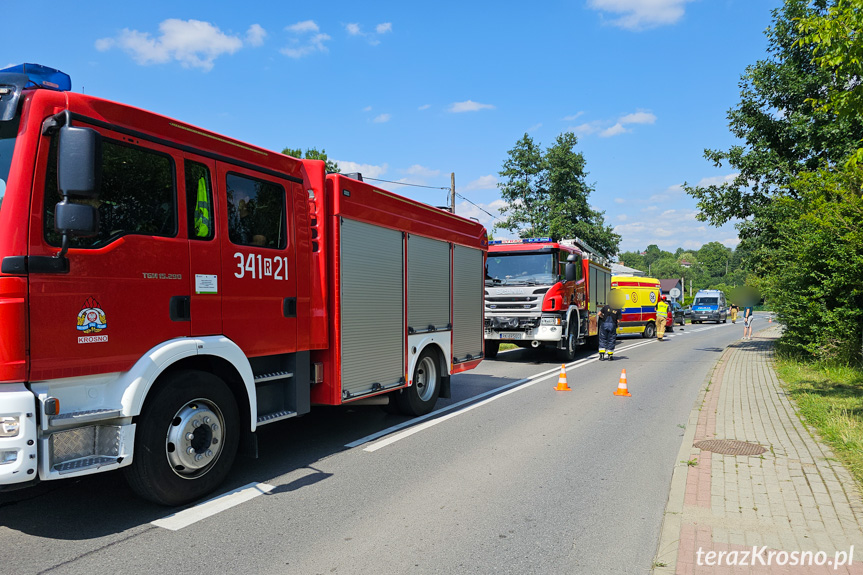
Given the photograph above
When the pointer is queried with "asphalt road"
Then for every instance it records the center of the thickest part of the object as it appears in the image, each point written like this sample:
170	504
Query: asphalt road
519	479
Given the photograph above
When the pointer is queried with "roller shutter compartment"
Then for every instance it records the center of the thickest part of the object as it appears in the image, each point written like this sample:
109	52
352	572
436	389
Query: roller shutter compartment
428	284
372	308
467	304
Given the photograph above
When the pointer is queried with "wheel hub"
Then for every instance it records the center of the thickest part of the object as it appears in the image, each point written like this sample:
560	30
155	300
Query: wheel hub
426	374
194	440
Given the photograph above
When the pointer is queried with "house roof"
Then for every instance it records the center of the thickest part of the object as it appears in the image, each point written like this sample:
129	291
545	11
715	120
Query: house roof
666	285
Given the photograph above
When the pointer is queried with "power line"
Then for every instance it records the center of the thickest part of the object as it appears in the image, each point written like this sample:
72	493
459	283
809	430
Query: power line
436	188
476	206
404	184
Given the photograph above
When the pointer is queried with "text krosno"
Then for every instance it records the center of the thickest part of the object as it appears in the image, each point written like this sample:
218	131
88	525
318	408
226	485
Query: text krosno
763	556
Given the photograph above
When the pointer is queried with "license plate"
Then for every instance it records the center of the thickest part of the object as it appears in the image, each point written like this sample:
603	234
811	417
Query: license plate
511	336
703	317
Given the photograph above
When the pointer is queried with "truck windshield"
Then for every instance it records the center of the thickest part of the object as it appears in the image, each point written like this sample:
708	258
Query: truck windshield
8	132
707	301
520	269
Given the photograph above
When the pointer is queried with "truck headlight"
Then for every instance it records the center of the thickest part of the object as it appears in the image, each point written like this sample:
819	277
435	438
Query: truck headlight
10	425
10	456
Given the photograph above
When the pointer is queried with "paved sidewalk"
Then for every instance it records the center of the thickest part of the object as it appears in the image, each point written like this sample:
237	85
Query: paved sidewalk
795	497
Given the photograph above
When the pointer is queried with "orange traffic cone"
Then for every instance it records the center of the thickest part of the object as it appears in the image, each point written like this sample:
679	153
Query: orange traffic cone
621	387
561	381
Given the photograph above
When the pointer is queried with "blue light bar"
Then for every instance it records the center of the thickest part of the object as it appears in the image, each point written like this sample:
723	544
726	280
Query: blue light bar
43	76
522	241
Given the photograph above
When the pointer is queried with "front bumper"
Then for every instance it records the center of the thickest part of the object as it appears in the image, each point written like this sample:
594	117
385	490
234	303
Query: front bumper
548	328
18	454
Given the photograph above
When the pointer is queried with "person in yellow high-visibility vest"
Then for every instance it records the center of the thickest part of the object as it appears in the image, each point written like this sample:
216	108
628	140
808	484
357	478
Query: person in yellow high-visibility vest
661	317
202	211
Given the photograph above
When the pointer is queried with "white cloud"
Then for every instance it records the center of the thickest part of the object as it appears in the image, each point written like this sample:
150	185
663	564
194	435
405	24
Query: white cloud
607	129
382	118
255	35
192	43
369	170
355	29
613	131
534	128
619	201
641	14
586	129
622	217
297	50
367	109
303	27
669	230
422	171
468	106
482	183
573	117
639	117
424	107
717	180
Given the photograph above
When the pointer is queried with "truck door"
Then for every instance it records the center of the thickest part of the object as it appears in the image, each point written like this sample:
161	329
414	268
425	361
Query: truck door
119	297
259	297
205	274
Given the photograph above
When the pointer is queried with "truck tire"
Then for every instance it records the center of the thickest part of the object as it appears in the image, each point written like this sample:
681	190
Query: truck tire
649	330
491	348
186	439
567	354
420	398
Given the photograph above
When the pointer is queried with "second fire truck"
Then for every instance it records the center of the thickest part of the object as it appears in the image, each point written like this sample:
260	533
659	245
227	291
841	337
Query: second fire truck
544	293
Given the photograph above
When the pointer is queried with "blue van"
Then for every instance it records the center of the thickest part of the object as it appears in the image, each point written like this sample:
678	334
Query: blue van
709	305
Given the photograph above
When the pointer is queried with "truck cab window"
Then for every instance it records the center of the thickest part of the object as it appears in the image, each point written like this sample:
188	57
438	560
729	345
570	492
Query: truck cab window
256	212
137	195
199	201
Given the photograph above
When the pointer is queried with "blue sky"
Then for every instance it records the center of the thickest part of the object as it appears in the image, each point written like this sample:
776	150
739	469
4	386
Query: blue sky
413	91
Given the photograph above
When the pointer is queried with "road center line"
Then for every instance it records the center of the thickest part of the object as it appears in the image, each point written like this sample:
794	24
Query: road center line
495	394
213	506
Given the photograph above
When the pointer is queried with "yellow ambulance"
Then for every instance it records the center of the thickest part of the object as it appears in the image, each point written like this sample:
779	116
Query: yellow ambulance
637	297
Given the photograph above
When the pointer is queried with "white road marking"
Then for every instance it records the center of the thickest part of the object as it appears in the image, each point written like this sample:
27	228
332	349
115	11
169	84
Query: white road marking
213	506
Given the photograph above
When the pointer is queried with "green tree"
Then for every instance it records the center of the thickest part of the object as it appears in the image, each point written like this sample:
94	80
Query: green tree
313	154
633	260
547	194
784	131
714	258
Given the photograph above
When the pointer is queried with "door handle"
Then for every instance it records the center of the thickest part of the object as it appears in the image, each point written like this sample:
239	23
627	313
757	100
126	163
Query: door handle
180	308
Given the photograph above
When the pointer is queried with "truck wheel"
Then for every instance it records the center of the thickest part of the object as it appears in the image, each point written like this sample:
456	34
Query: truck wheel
420	398
186	439
649	330
568	353
491	348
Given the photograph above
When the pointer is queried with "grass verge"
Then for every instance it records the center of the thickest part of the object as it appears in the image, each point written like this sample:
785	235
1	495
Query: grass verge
830	398
506	346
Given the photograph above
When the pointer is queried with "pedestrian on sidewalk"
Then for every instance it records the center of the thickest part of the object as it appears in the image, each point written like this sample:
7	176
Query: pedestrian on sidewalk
609	316
661	317
734	311
747	322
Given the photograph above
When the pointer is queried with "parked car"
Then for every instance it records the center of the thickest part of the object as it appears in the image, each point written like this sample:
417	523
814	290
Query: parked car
687	311
678	314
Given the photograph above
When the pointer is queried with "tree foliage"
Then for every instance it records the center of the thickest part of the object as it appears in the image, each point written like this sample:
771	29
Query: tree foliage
547	194
313	154
798	187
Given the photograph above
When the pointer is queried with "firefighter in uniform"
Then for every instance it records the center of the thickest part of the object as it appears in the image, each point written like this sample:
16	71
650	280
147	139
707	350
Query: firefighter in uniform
608	318
661	318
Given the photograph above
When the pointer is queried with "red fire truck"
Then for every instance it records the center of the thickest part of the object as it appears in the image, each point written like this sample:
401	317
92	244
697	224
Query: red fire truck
165	291
541	292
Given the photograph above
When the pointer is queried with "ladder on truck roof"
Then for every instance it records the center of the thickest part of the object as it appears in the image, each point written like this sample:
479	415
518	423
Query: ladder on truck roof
592	253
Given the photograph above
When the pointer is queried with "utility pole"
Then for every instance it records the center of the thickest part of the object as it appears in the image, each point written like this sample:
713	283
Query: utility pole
452	192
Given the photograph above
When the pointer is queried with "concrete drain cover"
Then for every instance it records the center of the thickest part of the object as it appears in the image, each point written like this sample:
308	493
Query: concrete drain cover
730	447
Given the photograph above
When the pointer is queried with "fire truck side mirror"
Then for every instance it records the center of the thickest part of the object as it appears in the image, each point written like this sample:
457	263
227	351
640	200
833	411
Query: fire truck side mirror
571	270
79	162
76	219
